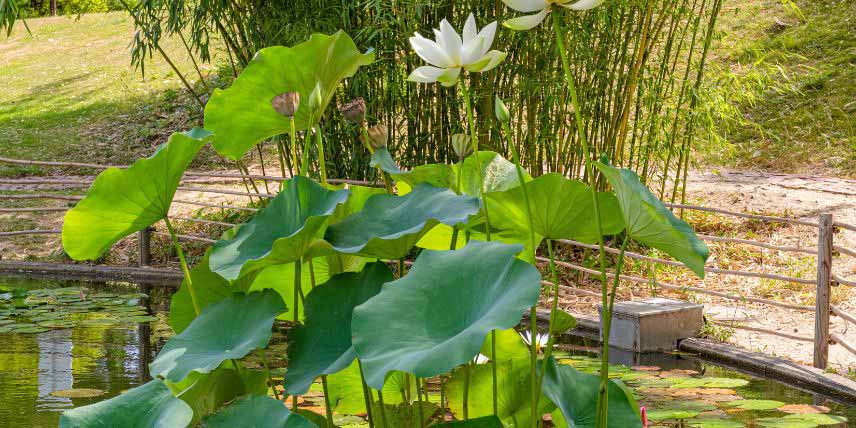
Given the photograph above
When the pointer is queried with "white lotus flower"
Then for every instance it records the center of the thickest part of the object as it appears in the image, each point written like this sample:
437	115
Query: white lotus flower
450	52
541	340
481	359
543	7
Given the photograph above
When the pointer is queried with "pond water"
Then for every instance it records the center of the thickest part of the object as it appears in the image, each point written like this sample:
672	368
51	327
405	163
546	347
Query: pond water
105	350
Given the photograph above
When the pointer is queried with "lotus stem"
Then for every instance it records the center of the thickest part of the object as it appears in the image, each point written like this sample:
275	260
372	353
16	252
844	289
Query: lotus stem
607	324
419	403
382	408
386	182
304	164
298	265
292	134
465	93
367	395
493	368
466	399
280	149
322	164
184	267
553	310
327	406
533	325
270	379
262	163
569	80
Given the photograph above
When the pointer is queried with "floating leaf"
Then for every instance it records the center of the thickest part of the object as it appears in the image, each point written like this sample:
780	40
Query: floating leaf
802	409
648	221
389	226
576	395
242	115
714	423
561	209
280	233
708	382
123	201
820	419
514	394
229	329
323	344
78	393
257	411
755	404
480	288
664	414
146	406
784	423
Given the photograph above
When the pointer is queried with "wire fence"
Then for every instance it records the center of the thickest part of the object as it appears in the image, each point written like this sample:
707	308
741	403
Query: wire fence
826	279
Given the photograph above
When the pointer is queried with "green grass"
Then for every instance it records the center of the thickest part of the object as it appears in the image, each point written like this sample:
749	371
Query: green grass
70	93
783	97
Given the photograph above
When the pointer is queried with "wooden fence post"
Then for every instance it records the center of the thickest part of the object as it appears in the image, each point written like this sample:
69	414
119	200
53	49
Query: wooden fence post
145	253
824	280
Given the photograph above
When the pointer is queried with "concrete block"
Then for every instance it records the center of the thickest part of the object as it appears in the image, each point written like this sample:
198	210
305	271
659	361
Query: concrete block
653	324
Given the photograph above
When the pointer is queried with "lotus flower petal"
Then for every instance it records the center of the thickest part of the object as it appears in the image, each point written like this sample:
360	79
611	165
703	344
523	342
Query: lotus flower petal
430	51
583	4
449	40
426	74
526	22
527	6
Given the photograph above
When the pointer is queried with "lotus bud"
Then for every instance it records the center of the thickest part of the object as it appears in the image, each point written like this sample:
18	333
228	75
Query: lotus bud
378	136
355	110
286	104
461	145
501	111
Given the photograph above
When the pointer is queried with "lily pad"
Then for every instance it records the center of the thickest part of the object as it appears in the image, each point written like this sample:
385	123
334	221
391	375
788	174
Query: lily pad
648	221
389	226
820	419
229	329
755	404
323	345
78	393
124	201
280	233
146	406
257	411
714	423
664	414
480	288
243	115
784	423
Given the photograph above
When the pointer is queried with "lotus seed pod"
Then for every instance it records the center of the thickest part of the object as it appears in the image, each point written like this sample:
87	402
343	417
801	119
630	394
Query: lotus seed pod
378	136
286	104
461	145
354	110
501	111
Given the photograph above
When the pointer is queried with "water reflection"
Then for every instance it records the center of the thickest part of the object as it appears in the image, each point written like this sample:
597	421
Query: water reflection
112	358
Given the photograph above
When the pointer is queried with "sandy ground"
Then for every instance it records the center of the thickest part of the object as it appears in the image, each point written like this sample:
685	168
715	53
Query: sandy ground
774	194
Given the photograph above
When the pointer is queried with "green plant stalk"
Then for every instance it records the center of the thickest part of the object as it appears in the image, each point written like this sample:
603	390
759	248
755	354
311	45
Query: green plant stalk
382	407
466	398
533	325
569	80
465	93
184	267
292	134
304	164
607	323
297	274
270	379
280	149
553	310
319	140
419	402
328	409
262	164
367	395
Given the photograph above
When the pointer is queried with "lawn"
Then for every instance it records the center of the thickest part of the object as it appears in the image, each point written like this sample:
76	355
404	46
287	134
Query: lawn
784	87
70	93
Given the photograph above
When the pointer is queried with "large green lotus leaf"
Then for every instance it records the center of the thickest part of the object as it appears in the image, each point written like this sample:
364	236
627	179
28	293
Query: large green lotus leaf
323	344
480	288
383	159
509	345
389	226
280	278
207	393
280	233
356	201
576	393
561	209
229	329
257	411
484	422
123	201
242	115
208	287
648	221
514	396
151	405
435	174
346	390
499	174
440	237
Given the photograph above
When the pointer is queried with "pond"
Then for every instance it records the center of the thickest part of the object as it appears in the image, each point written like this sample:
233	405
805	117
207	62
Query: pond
93	351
